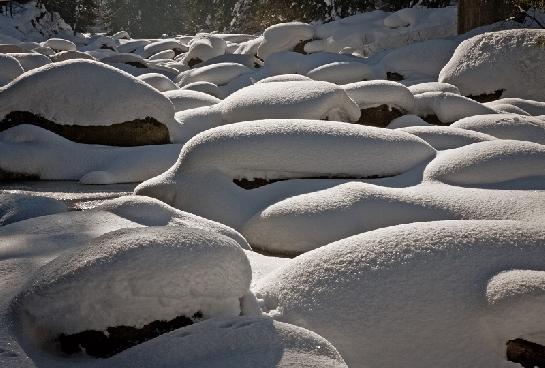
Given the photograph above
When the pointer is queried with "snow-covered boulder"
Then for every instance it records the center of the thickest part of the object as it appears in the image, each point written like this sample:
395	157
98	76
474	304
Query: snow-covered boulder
218	74
506	61
205	87
158	81
506	126
69	55
121	35
448	107
377	99
251	61
442	138
31	60
17	207
419	88
381	296
285	100
488	163
204	47
163	55
272	150
250	342
28	151
10	68
163	45
342	72
185	99
284	37
132	46
88	102
60	44
125	58
125	281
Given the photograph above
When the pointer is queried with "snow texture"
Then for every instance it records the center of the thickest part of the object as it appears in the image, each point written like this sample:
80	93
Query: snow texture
103	285
443	138
401	288
506	60
10	68
90	93
284	37
17	207
185	99
158	81
376	93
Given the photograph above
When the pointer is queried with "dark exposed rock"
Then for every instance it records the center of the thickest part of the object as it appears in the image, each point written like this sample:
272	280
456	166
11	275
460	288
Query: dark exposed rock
13	176
488	97
147	131
260	182
104	344
300	47
393	76
194	62
137	64
379	116
526	353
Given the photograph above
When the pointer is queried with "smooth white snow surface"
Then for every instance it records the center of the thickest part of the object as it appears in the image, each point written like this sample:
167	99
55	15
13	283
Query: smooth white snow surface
90	93
376	93
381	296
10	68
506	126
448	107
158	81
17	207
184	99
443	138
284	37
507	60
103	285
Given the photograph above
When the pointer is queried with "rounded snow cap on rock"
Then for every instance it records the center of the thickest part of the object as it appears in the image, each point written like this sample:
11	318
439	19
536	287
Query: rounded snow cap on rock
442	138
302	148
158	81
132	277
404	287
486	163
284	37
85	93
510	61
186	99
10	68
375	93
59	44
290	100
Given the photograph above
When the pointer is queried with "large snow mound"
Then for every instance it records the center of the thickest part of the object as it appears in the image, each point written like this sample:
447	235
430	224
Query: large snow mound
506	126
33	151
284	37
241	342
490	162
83	92
133	277
508	61
381	296
289	100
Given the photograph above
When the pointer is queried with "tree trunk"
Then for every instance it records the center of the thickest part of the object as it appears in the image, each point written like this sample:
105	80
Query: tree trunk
476	13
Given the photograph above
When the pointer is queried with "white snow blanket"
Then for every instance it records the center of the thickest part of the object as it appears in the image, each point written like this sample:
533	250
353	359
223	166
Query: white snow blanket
424	284
508	61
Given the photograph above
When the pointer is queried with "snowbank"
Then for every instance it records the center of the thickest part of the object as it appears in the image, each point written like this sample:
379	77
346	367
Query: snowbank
32	151
17	207
188	272
401	288
158	81
184	99
488	163
507	61
506	126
